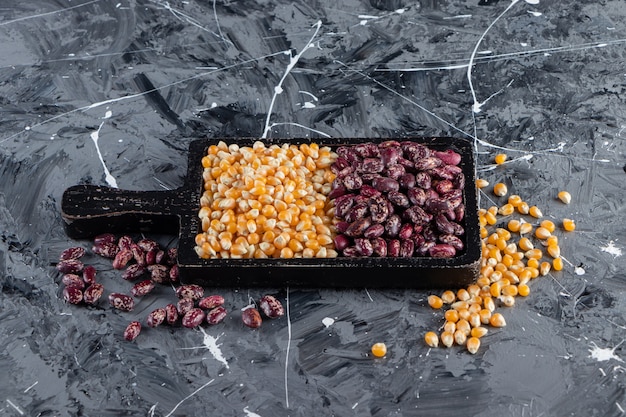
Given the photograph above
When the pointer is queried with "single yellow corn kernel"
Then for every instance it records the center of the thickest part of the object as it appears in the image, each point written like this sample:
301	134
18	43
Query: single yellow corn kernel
474	320
449	327
552	240
431	339
473	290
549	225
459	305
485	315
525	228
493	210
565	197
495	289
435	301
490	218
513	225
463	294
523	290
500	158
448	297
506	209
557	264
503	233
534	272
489	304
447	339
510	290
523	207
535	212
464	326
515	200
554	251
379	350
479	331
497	320
544	268
533	253
481	183
533	263
464	313
473	344
451	315
460	337
542	233
500	189
507	300
525	244
569	225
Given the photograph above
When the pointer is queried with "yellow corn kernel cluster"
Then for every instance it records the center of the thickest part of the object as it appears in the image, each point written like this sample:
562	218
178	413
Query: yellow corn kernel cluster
266	202
510	260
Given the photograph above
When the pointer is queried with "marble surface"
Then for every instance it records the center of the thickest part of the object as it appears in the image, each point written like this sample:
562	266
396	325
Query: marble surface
112	93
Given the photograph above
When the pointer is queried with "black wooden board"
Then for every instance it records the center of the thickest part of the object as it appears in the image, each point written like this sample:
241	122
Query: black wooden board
90	210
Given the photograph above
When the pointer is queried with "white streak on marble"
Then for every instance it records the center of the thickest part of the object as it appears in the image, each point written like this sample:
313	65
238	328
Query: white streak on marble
532	1
108	177
328	321
250	413
188	397
612	249
288	347
309	94
477	105
301	126
15	407
536	14
31	386
20	19
278	89
210	343
604	354
368	295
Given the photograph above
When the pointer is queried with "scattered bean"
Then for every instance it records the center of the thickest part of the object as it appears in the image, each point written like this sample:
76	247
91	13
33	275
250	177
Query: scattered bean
251	317
271	307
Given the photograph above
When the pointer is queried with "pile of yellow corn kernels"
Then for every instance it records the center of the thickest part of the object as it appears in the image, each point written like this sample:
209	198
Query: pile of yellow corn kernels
266	202
510	260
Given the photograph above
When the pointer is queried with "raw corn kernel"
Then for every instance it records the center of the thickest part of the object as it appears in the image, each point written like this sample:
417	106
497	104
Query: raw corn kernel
515	200
431	339
500	158
448	297
569	225
565	197
545	268
523	207
506	209
479	331
500	189
542	233
447	339
379	349
497	320
514	225
535	212
460	337
435	301
548	225
481	183
523	290
557	264
473	344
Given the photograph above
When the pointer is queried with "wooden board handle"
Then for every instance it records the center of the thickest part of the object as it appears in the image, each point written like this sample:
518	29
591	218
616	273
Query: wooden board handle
89	210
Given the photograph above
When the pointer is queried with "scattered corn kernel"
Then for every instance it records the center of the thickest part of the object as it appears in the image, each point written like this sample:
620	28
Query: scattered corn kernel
514	225
481	183
535	212
500	189
523	207
448	297
497	320
460	337
525	228
569	225
379	349
431	339
554	251
447	339
542	233
544	268
557	264
435	301
565	197
548	225
506	209
479	331
515	200
523	290
473	344
500	158
451	315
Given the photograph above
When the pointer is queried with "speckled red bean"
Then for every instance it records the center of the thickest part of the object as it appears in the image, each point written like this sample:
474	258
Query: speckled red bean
132	330
406	231
210	302
73	280
393	248
156	317
427	163
105	238
417	215
372	165
358	211
171	314
122	258
121	301
374	230
385	184
89	274
448	157
125	242
151	256
70	266
379	246
158	273
147	244
442	250
72	294
142	288
184	305
174	273
161	258
105	249
352	181
193	318
251	317
72	253
379	209
358	227
341	242
407	247
216	315
93	293
193	291
453	241
363	246
133	272
271	307
417	196
138	254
